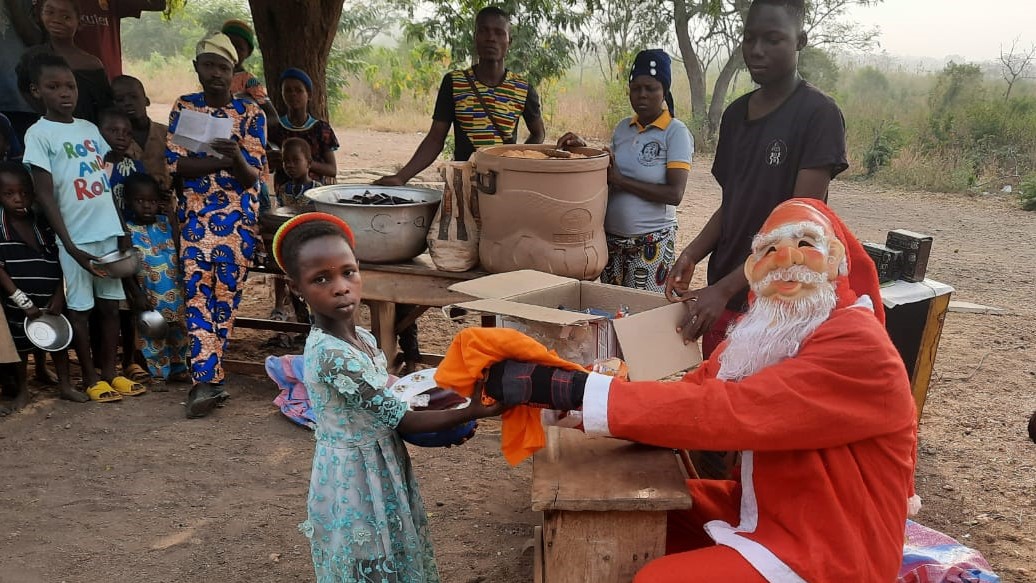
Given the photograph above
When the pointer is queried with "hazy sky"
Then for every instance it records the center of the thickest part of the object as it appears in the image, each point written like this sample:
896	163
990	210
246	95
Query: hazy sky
937	28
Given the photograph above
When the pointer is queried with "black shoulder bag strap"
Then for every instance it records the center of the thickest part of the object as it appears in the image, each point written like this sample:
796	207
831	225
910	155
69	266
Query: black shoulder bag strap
507	138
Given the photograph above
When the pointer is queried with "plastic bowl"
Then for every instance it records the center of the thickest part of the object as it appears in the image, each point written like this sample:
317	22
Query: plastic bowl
152	325
50	332
119	264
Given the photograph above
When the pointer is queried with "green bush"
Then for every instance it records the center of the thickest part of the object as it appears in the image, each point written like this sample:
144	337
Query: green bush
888	139
1027	193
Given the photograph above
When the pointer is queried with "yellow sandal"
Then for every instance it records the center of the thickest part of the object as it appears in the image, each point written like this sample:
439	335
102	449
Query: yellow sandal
127	387
102	392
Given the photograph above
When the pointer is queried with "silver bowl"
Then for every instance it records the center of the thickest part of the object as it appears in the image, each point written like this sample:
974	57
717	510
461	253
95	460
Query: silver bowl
152	325
50	332
384	234
118	264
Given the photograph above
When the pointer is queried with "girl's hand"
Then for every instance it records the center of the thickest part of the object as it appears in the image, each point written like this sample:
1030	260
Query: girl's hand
571	140
479	409
85	260
33	313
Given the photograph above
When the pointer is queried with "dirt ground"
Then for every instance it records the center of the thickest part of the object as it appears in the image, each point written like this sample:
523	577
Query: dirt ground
132	491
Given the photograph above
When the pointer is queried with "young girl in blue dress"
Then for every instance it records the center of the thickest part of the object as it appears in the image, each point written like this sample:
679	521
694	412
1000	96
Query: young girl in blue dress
366	520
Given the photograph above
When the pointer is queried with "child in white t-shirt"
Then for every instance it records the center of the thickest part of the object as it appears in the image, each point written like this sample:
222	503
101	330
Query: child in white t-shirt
67	160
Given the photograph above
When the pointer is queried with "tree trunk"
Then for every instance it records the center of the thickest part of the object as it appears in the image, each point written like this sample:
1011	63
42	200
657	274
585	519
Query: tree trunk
719	91
691	63
296	33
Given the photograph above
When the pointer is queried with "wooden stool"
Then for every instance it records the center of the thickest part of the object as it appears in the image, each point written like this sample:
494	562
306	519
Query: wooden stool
604	504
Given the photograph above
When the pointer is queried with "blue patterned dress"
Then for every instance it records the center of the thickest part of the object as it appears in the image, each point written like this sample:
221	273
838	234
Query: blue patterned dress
160	279
367	523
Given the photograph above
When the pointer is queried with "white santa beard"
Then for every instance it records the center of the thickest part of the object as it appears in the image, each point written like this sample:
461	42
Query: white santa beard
773	330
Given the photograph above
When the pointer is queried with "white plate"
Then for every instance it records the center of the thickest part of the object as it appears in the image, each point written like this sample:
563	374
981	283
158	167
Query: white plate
410	387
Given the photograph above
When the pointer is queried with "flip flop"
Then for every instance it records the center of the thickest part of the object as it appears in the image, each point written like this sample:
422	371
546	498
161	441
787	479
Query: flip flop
126	387
102	392
137	374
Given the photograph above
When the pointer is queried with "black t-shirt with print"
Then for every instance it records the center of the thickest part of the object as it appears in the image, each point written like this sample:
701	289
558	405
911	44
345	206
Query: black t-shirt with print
757	163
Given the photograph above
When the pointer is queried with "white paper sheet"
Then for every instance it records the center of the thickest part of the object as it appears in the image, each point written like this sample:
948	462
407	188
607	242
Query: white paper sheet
196	131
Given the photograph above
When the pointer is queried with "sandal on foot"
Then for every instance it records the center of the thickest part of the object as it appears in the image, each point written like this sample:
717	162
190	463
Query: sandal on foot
102	392
127	387
137	374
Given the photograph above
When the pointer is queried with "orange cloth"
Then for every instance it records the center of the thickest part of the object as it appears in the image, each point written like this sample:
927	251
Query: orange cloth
472	351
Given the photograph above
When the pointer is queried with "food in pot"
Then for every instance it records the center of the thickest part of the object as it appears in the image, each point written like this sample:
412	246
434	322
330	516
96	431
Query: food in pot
540	154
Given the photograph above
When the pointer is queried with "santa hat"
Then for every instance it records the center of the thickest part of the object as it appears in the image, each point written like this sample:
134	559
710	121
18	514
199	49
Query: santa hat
862	274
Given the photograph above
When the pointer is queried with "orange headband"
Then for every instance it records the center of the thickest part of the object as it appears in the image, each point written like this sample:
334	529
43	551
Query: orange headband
290	224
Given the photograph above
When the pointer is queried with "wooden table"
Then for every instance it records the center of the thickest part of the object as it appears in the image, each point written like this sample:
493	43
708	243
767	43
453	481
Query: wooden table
416	282
604	504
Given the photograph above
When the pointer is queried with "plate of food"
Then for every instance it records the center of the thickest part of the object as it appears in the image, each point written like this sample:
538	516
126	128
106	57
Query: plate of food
419	391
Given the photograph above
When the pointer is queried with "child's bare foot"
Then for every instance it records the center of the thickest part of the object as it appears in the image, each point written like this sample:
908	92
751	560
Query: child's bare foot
19	402
69	394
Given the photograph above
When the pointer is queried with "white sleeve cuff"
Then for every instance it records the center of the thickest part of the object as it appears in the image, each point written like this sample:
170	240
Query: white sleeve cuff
595	404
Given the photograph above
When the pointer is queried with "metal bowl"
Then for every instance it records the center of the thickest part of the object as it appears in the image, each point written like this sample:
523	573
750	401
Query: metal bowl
384	234
119	264
51	332
152	325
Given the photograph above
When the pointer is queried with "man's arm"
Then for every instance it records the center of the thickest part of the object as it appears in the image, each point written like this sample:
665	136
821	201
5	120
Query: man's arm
813	183
818	398
537	131
427	152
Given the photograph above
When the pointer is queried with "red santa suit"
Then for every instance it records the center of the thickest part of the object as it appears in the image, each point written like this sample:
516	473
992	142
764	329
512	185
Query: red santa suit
828	440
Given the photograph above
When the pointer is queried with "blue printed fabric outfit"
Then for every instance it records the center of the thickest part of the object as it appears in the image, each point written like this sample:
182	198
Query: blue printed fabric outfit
219	228
120	171
366	519
160	279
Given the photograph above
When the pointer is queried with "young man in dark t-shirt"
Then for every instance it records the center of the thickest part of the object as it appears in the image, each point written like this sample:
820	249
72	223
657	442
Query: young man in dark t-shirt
477	123
783	140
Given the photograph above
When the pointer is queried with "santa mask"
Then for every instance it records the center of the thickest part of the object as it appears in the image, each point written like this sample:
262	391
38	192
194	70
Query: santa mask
795	262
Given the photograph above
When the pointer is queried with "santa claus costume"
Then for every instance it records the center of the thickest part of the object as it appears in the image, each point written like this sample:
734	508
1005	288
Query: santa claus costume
809	388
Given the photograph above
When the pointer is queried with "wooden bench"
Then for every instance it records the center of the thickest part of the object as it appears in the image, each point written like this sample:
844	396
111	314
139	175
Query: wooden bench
604	504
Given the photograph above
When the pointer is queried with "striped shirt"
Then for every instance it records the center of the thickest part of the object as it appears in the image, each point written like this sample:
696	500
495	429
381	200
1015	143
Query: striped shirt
35	271
473	126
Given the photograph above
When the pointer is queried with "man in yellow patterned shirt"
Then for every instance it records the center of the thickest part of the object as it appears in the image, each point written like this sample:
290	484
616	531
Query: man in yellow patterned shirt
482	103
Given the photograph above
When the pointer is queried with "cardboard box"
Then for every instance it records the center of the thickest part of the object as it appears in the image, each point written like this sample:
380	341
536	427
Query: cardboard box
528	301
888	261
916	248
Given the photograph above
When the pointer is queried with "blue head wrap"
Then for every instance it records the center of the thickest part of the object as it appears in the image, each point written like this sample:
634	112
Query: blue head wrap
299	75
655	63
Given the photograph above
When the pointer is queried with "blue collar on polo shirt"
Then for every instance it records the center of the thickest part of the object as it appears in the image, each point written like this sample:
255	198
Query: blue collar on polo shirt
661	123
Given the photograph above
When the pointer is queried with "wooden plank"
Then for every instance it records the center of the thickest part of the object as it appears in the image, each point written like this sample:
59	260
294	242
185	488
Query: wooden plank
579	472
603	547
245	367
972	308
420	289
929	346
383	326
537	554
271	325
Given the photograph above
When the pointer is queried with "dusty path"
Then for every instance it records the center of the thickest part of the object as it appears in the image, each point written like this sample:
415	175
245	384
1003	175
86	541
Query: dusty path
132	492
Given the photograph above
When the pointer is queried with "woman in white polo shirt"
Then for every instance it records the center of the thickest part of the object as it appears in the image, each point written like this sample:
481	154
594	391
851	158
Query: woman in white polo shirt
651	157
